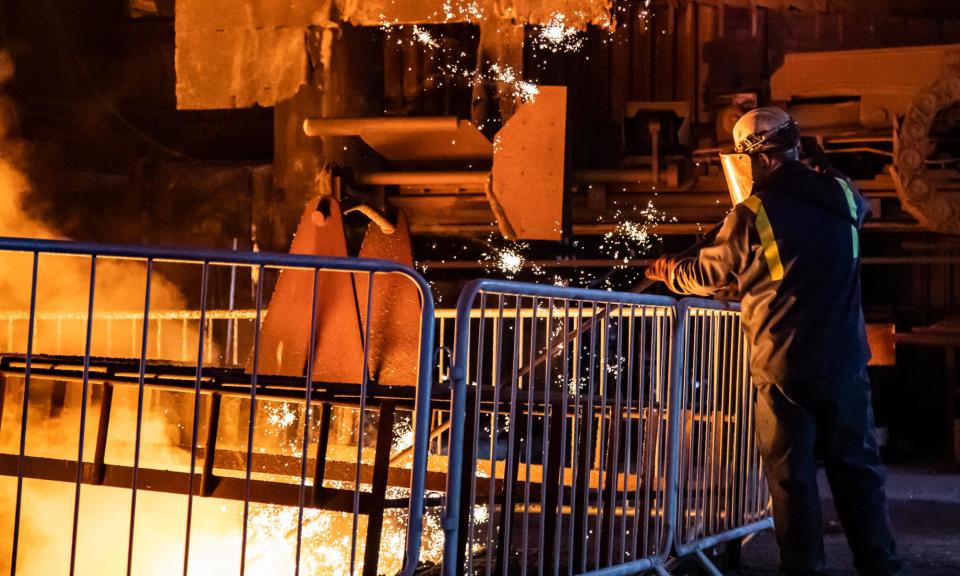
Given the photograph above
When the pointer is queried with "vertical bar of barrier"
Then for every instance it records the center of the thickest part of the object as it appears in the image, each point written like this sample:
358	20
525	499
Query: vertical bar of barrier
510	470
576	433
477	384
565	396
24	413
624	554
210	448
364	379
308	402
546	472
528	440
252	419
493	434
83	414
140	392
421	425
642	479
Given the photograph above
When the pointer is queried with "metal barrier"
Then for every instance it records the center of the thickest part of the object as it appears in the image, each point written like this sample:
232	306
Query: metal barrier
721	491
560	404
132	463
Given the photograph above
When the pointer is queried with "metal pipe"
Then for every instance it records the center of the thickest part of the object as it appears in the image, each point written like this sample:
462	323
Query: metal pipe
668	175
464	178
377	218
379	125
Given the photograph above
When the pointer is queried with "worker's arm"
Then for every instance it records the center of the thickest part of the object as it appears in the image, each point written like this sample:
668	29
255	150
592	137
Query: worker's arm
864	211
717	265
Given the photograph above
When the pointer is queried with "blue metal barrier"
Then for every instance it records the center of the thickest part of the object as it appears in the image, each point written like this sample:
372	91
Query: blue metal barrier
721	490
558	445
310	473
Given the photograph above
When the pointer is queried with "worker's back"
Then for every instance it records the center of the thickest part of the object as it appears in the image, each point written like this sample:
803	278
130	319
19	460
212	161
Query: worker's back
809	322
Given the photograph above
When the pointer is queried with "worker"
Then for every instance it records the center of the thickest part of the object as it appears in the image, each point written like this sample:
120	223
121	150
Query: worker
791	251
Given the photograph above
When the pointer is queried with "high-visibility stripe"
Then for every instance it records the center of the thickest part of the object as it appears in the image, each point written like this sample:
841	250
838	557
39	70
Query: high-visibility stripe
767	242
852	204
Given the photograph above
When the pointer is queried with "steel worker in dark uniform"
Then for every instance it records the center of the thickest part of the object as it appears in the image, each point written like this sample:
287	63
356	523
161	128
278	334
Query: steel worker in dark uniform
791	250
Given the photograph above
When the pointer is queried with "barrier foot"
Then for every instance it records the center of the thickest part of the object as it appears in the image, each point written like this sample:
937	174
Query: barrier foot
707	565
660	570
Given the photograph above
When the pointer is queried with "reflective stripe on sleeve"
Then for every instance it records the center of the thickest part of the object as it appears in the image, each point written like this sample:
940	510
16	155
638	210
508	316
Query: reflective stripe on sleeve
852	204
767	242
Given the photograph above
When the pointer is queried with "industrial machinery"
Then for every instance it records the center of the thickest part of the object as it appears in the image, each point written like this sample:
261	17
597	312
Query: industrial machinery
898	105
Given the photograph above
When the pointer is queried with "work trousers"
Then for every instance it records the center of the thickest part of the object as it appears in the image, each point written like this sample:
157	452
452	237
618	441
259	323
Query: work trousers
833	415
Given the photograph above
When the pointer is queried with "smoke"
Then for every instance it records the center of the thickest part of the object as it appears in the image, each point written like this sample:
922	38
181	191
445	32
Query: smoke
63	282
46	523
62	299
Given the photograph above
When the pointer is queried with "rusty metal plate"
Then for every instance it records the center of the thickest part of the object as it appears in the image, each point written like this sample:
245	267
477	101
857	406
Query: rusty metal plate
394	345
285	336
528	166
887	80
237	68
464	144
579	13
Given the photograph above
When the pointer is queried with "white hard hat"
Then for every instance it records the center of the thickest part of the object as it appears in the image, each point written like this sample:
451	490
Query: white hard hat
756	130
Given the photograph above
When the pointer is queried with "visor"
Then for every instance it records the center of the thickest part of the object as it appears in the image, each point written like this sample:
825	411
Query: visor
738	170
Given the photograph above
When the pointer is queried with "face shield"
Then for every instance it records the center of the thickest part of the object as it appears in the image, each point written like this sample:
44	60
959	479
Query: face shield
742	168
738	170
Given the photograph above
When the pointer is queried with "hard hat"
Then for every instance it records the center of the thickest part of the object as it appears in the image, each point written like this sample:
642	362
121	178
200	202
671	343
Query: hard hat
764	129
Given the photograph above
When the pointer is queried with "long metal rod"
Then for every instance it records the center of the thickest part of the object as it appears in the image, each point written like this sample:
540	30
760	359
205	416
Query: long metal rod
248	469
270	260
139	425
83	414
25	410
478	383
195	428
360	427
307	403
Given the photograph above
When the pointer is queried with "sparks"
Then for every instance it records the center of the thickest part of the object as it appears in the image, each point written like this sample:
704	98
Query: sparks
556	36
510	262
423	36
505	74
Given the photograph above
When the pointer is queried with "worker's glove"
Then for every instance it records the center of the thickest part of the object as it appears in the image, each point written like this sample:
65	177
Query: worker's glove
659	270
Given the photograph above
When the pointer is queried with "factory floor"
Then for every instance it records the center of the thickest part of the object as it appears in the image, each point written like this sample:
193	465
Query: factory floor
925	511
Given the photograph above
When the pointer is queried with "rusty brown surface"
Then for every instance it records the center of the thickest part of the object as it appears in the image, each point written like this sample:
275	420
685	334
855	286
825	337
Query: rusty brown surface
406	141
886	80
239	67
465	144
285	336
254	52
579	13
395	308
528	166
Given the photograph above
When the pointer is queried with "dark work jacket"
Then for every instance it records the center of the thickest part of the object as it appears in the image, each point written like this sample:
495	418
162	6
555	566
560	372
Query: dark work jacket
792	251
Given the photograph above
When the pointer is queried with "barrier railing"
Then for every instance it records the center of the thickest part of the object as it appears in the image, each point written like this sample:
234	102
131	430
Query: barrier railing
588	431
721	491
140	465
560	404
